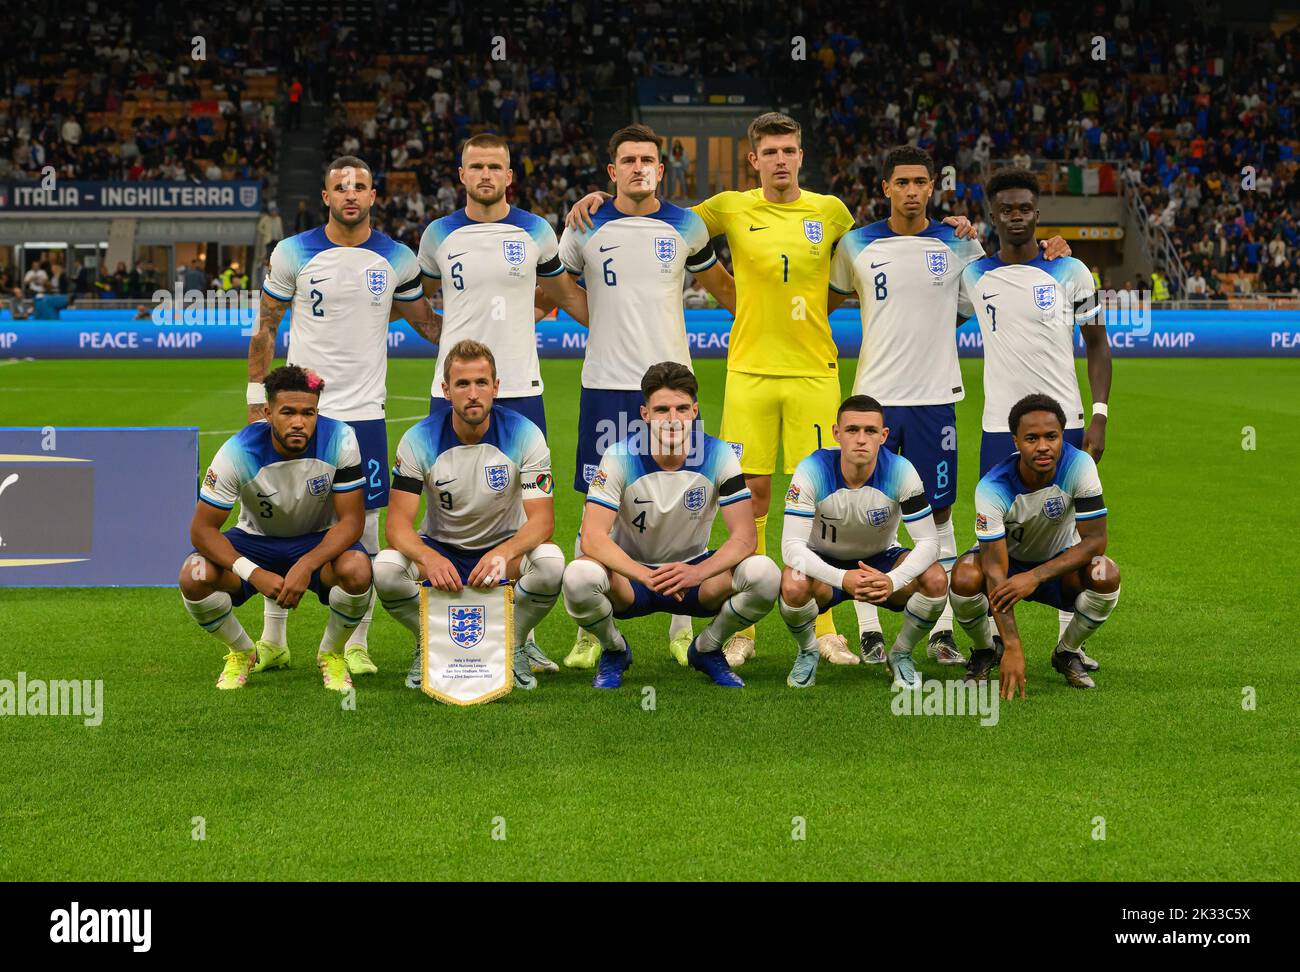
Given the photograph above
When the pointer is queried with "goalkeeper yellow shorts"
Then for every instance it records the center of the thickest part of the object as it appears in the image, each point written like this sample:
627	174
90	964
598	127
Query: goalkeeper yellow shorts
759	410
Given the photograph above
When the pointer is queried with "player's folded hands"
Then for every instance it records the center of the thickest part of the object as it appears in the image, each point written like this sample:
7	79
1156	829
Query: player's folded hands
489	571
267	582
295	583
878	587
671	580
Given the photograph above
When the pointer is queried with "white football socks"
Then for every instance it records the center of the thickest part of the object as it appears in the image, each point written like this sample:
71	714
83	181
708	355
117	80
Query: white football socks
586	598
919	615
1090	612
540	576
756	583
972	614
346	612
398	591
215	615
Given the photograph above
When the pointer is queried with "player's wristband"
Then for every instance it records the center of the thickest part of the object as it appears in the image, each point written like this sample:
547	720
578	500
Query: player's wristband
1100	408
244	568
256	394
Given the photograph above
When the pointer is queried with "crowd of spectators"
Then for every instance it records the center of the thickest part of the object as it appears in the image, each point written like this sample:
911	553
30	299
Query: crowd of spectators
99	92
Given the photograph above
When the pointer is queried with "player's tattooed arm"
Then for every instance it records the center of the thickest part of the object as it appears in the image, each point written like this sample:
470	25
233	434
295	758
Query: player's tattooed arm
721	284
1099	377
261	346
993	559
420	315
597	521
206	537
580	214
563	291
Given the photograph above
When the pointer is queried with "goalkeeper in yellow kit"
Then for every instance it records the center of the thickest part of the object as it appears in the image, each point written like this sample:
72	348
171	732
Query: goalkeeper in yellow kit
782	369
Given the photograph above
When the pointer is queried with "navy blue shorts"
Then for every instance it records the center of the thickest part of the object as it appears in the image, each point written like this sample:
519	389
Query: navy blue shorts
462	559
646	601
919	432
278	555
883	562
996	446
529	406
604	417
1049	593
372	438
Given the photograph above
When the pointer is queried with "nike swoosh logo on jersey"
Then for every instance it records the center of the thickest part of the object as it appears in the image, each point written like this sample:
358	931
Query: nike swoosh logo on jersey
266	495
321	280
987	296
825	517
452	256
635	500
877	265
753	228
370	497
439	483
606	249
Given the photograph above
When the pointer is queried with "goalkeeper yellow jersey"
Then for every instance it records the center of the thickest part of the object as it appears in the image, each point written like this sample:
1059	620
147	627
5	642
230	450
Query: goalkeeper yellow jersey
781	258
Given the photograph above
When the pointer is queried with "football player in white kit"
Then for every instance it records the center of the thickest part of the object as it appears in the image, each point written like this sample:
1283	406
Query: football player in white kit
645	535
633	259
1027	309
489	512
1041	524
298	479
841	517
488	259
907	270
343	281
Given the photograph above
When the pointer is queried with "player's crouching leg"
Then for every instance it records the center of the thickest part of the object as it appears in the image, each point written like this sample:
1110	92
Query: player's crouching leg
541	574
397	584
920	612
349	597
1094	604
213	610
799	611
586	598
755	587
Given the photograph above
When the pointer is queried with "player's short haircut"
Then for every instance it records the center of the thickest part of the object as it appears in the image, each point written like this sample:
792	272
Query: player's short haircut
907	155
630	133
485	140
1011	179
292	378
345	162
467	351
773	123
1036	402
671	375
859	403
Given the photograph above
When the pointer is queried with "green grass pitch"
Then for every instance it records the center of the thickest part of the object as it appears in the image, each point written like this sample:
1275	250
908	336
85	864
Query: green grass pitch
590	785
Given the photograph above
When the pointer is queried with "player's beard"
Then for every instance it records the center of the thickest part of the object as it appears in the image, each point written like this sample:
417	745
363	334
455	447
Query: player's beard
478	417
287	447
363	216
486	200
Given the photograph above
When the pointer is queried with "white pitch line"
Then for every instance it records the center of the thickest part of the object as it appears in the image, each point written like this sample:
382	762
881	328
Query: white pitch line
9	361
402	418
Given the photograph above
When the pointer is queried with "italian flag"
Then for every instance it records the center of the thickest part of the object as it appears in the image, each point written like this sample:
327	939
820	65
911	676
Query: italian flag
1091	180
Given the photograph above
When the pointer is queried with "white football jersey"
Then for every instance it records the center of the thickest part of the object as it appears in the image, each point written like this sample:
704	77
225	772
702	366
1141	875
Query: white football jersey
1027	313
1038	524
341	297
909	290
489	272
634	270
282	497
666	516
847	524
476	492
